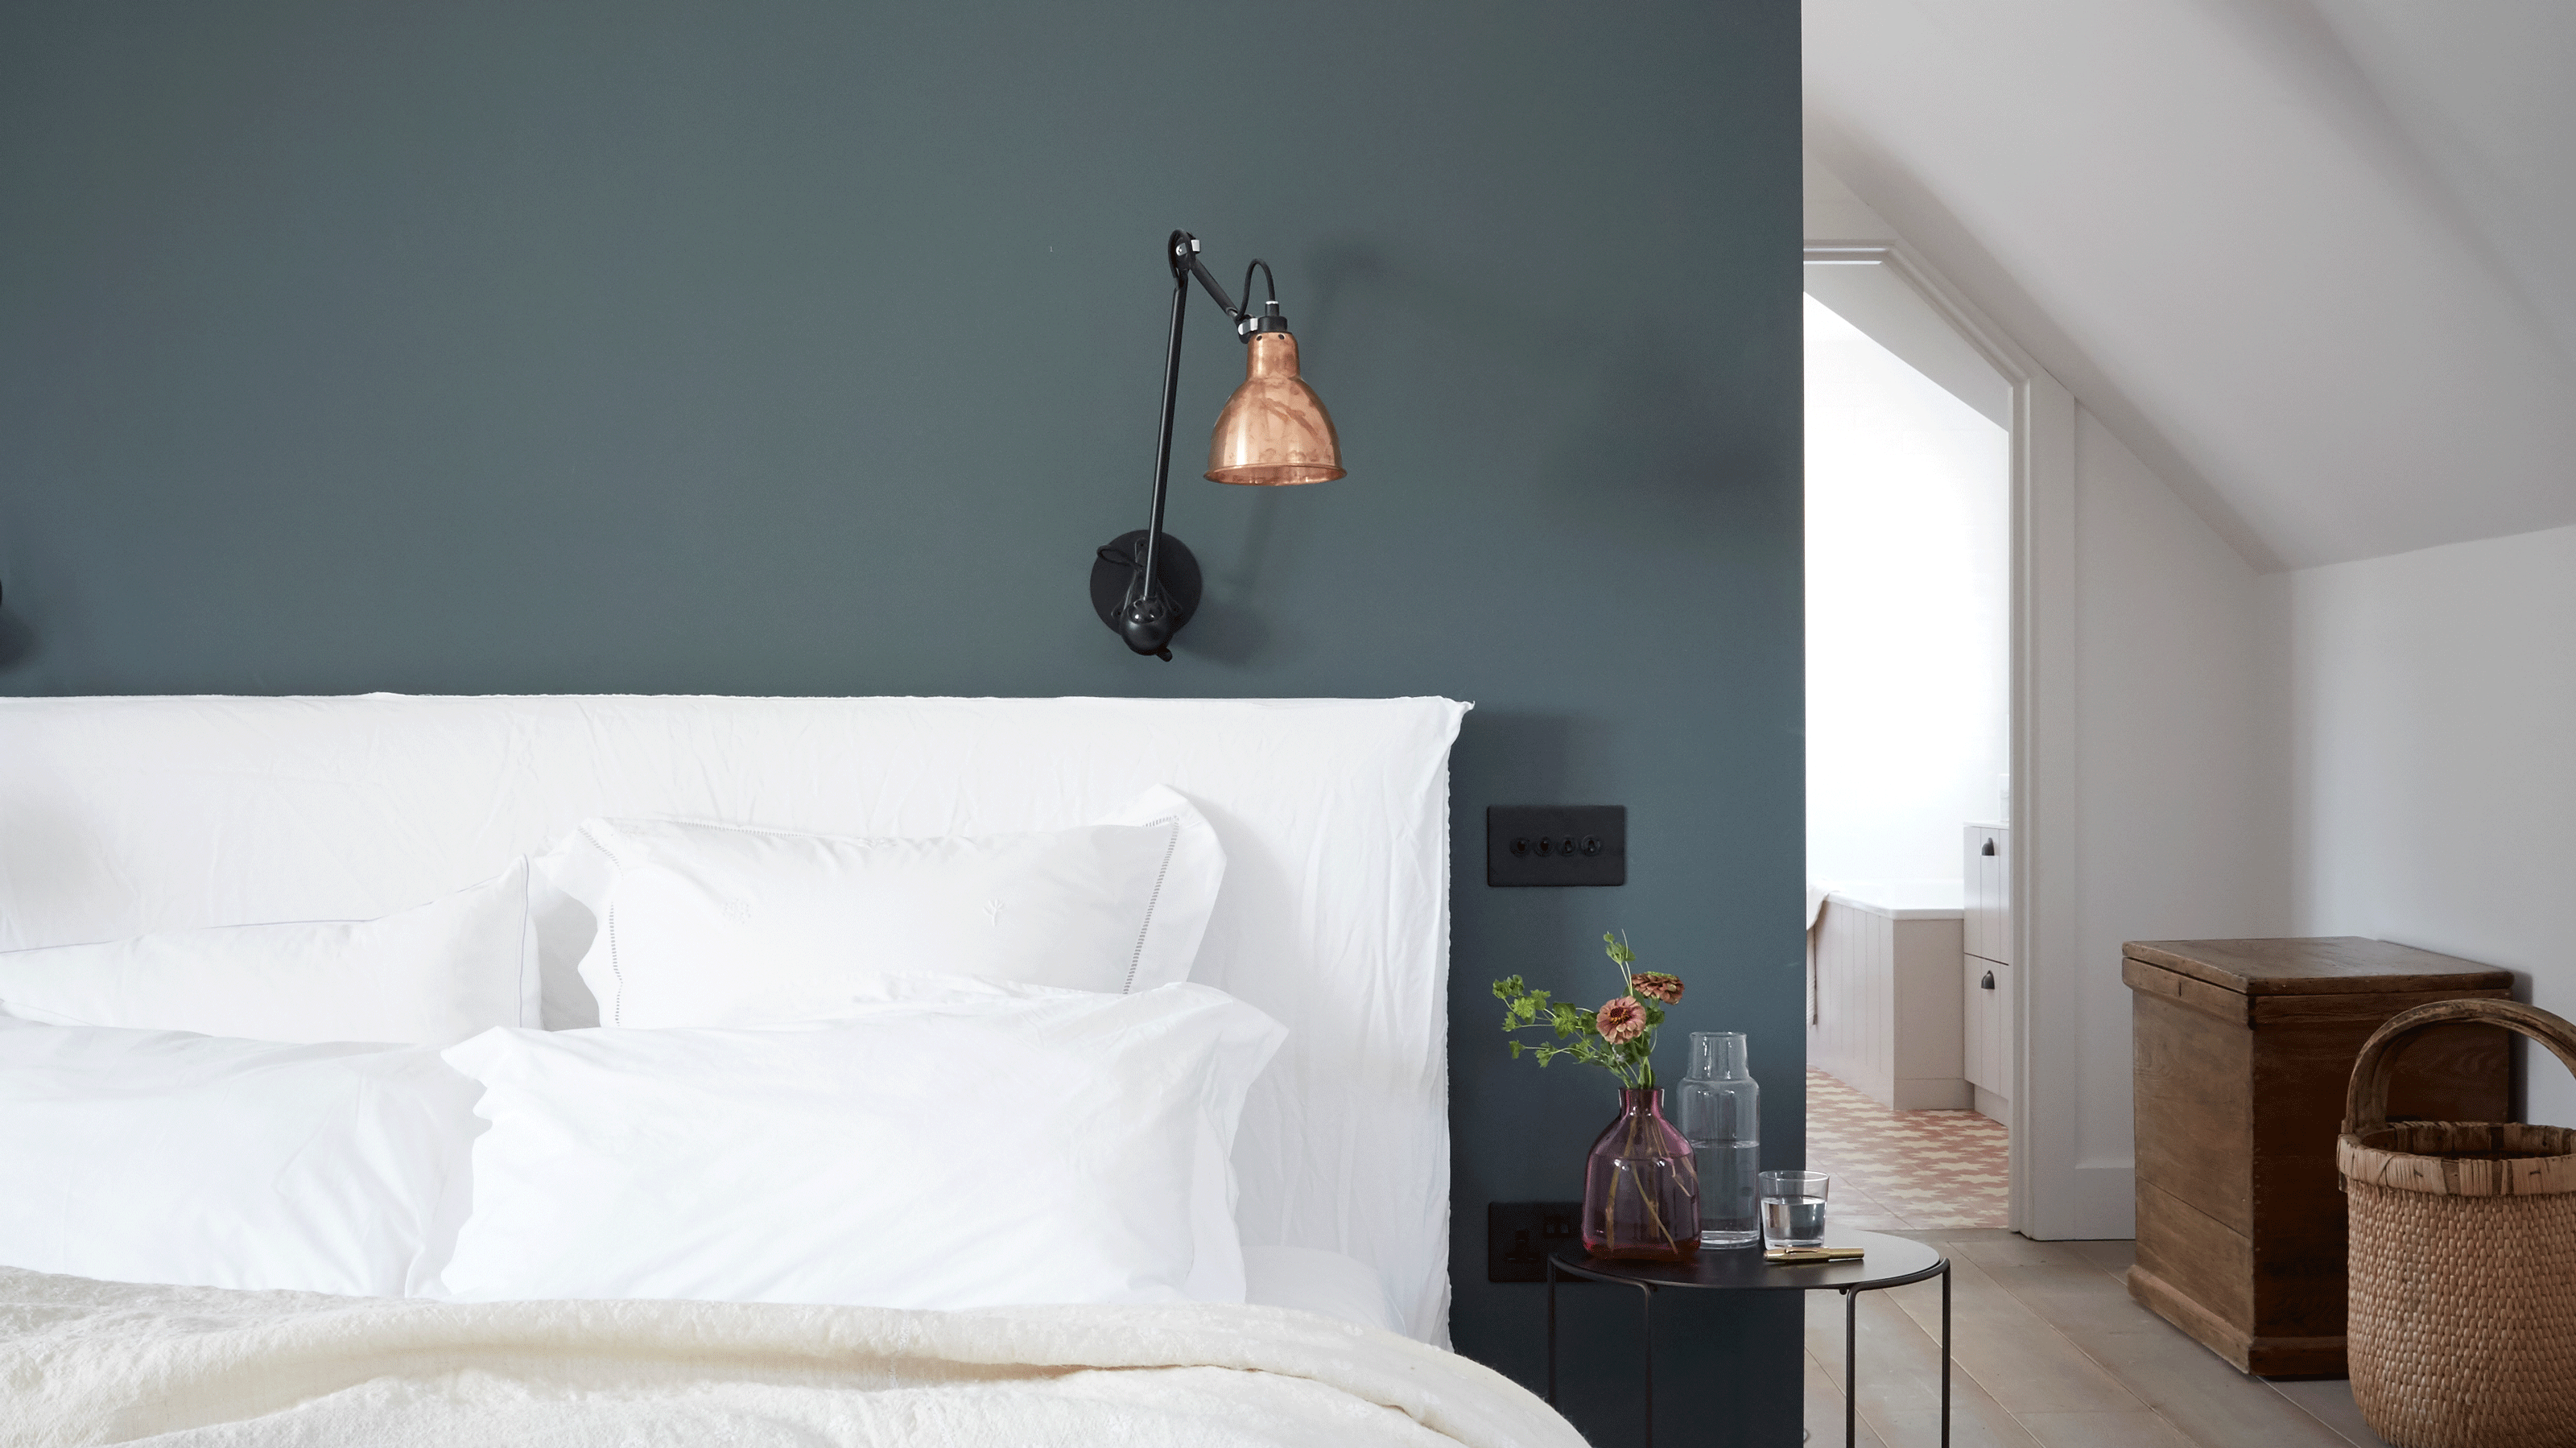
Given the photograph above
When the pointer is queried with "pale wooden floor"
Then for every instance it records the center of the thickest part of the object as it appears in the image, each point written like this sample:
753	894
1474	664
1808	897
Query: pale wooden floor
2051	1353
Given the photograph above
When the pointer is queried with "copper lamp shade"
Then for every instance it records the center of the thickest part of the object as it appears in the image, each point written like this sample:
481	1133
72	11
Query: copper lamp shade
1274	430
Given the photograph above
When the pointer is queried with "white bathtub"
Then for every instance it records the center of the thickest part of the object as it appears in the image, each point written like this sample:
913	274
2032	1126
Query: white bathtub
1888	1013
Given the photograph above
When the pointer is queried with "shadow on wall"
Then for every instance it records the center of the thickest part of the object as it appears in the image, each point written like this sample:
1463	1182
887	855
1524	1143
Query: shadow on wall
1507	757
1660	447
17	641
1531	750
1228	627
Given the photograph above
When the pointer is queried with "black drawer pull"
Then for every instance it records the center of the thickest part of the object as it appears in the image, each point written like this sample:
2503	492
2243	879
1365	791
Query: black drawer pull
1988	983
1989	849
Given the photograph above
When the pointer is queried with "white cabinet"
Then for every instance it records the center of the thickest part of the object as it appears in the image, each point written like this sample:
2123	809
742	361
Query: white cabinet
1985	991
1977	1033
1985	880
1986	965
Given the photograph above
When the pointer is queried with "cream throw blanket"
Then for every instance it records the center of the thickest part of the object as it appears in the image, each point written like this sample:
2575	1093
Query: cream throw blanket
103	1362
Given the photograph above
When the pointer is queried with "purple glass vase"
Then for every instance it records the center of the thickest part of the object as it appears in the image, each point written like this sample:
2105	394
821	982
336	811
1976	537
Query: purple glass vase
1640	1186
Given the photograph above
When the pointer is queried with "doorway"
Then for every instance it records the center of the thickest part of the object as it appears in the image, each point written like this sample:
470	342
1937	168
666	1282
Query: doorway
1911	1026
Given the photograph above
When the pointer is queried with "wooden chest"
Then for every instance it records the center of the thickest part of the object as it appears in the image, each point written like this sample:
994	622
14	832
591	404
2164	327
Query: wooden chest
2243	1050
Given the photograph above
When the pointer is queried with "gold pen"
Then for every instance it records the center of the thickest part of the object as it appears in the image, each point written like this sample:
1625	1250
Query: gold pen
1812	1254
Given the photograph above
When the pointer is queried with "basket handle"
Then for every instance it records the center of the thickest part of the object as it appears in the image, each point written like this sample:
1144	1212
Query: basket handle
2365	1106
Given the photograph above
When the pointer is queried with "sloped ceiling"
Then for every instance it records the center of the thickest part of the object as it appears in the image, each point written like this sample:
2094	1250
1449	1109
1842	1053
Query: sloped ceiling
2316	259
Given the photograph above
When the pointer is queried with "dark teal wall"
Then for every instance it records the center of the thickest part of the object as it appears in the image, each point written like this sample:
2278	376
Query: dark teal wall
811	348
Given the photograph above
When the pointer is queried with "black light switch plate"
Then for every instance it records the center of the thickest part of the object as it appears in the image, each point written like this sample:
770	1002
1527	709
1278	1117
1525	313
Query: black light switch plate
1556	844
1519	1235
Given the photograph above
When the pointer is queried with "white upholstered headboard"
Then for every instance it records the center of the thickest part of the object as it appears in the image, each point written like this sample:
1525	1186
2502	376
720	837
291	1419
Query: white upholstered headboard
123	815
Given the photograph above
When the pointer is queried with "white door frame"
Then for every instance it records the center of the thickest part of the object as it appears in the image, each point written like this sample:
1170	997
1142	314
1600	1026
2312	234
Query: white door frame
2054	1193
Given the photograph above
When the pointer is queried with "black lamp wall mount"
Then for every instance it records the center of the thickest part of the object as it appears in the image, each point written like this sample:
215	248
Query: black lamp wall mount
1145	585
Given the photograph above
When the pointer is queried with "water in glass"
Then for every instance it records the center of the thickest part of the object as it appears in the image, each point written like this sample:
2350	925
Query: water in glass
1793	1221
1793	1208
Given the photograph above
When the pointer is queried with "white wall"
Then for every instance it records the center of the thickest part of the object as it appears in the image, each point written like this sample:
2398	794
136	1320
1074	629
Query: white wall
2432	725
2179	806
1907	691
2179	811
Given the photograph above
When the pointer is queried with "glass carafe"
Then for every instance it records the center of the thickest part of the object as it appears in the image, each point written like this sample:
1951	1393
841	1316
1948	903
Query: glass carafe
1719	1108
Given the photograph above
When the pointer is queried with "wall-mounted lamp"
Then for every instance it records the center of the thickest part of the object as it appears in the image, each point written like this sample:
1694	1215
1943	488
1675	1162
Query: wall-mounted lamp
1274	430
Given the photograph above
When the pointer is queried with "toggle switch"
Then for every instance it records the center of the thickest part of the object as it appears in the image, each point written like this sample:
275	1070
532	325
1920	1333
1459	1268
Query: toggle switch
1560	844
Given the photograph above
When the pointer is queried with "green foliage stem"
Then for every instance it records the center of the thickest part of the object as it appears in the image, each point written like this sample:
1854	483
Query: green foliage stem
1576	1031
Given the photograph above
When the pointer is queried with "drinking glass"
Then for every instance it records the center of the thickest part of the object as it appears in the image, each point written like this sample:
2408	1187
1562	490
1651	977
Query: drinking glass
1793	1208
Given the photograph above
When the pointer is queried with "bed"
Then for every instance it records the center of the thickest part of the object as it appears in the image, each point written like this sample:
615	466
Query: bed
124	817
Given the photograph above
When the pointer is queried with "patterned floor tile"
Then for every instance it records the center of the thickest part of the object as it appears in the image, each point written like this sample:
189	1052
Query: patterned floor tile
1906	1170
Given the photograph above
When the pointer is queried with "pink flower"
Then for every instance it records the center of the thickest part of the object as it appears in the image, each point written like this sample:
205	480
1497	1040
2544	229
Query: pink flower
1620	1020
1654	983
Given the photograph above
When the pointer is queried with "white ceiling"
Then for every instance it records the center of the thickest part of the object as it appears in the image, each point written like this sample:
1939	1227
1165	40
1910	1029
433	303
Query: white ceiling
2315	260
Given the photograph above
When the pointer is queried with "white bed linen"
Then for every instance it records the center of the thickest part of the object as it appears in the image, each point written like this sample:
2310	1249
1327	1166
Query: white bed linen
428	976
1312	1280
160	1156
717	925
85	1362
127	815
1059	1147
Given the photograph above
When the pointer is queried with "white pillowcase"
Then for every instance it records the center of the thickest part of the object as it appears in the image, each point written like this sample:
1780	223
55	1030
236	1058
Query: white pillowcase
713	925
432	975
1311	1279
1059	1147
158	1156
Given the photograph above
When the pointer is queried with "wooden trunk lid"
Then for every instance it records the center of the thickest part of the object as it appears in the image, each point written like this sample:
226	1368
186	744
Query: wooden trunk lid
2316	965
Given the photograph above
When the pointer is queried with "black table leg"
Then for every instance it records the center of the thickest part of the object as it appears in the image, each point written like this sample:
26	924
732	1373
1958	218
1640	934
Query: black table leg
1646	1300
1551	1329
1939	1266
1851	1368
1646	1304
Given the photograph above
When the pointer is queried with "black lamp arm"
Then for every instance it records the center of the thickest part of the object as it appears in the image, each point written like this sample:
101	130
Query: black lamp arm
1184	257
1185	261
1147	618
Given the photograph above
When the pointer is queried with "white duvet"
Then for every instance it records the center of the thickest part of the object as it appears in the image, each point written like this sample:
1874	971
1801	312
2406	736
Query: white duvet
86	1362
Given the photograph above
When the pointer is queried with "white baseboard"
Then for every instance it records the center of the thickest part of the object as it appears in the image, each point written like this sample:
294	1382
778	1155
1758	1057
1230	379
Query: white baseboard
1933	1093
2091	1203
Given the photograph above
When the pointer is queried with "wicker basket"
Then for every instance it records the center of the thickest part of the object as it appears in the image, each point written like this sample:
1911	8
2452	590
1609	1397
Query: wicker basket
2462	1329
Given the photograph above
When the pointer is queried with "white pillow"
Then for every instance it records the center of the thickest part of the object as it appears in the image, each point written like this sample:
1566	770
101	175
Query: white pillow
431	975
964	1153
1311	1279
159	1156
713	925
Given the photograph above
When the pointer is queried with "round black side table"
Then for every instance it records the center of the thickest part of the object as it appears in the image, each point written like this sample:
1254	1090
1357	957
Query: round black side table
1891	1262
